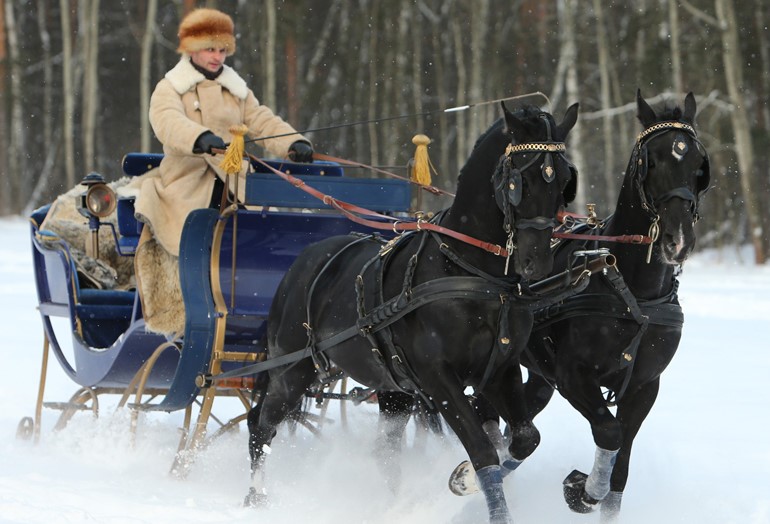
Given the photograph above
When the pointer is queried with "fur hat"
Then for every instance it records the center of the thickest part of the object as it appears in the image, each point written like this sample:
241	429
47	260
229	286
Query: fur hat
206	28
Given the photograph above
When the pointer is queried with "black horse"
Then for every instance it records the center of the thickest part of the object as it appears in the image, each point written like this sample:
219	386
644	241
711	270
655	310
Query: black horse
621	332
432	312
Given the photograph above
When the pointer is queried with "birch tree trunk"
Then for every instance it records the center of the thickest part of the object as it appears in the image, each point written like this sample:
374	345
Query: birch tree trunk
458	37
68	94
569	56
45	44
438	48
374	150
145	88
676	52
479	20
90	31
5	194
732	60
603	51
763	42
269	78
17	175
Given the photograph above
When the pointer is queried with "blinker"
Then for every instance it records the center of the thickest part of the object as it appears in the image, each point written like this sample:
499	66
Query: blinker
514	187
548	171
679	147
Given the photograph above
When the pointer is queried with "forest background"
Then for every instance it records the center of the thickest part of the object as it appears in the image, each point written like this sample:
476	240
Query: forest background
76	77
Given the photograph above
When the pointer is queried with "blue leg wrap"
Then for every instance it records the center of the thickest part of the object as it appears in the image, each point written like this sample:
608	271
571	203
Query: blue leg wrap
598	482
491	483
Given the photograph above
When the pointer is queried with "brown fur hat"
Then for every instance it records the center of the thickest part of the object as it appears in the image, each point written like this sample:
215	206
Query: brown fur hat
206	28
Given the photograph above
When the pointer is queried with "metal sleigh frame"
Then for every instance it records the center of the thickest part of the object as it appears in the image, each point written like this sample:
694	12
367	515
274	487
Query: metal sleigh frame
223	321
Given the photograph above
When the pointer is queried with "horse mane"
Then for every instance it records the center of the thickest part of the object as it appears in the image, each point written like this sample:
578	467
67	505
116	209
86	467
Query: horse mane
498	134
525	113
496	126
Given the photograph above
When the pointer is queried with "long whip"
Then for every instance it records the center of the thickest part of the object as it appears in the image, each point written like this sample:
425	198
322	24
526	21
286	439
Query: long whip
455	109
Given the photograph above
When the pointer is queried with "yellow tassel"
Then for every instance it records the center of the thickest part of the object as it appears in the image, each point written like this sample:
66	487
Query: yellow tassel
421	162
233	160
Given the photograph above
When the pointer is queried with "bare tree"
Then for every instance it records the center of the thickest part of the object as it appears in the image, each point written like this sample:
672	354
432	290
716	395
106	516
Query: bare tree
602	47
5	194
269	76
569	55
458	37
16	163
68	93
676	52
732	60
90	95
145	87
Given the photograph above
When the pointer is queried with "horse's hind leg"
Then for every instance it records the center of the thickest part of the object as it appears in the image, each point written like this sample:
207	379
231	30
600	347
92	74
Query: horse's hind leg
284	392
395	409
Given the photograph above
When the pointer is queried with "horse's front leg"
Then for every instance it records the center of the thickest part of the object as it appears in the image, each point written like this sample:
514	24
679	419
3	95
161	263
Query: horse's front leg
447	393
581	389
633	409
283	395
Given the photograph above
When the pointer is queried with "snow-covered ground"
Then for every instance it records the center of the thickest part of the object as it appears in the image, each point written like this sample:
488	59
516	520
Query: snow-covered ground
702	456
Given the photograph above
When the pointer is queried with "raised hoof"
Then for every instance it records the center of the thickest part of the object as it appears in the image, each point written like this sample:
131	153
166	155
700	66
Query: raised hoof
254	499
575	494
462	481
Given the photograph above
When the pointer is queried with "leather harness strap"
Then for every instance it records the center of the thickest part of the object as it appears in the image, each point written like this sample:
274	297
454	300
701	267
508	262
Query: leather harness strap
350	210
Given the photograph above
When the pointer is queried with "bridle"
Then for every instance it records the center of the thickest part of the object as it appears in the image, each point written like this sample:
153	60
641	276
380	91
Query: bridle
638	166
679	148
508	183
637	169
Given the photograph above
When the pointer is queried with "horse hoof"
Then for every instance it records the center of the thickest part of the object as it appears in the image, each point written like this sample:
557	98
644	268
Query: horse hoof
462	481
575	494
254	499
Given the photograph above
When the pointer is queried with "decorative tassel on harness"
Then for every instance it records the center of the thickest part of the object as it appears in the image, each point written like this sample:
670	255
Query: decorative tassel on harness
233	160
421	164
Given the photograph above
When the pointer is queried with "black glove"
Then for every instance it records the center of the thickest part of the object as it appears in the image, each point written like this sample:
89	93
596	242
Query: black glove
208	141
301	151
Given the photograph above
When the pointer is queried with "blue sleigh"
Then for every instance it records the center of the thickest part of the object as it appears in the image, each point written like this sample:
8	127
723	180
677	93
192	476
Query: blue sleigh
230	265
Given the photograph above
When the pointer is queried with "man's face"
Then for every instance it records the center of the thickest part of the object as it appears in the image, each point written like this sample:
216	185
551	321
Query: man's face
210	59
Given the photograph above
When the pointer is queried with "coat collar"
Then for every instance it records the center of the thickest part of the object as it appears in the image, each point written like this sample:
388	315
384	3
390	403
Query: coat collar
184	77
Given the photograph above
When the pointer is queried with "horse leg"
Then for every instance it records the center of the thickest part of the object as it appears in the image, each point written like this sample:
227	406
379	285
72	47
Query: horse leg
632	411
464	421
537	394
395	409
584	492
283	394
521	435
490	421
462	480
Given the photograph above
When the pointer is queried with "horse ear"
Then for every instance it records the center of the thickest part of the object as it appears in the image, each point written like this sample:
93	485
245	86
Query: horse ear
569	120
512	124
689	108
644	112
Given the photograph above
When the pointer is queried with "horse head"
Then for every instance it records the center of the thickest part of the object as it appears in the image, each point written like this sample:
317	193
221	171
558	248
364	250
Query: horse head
670	171
532	182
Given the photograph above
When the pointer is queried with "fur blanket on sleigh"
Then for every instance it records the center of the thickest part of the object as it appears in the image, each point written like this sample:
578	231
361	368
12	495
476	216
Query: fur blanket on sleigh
152	270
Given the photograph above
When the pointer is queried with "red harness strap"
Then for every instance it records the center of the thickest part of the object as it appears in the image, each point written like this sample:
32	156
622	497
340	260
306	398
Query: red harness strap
350	210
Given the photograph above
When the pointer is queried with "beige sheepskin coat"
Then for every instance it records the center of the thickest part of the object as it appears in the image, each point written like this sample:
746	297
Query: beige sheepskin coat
183	106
